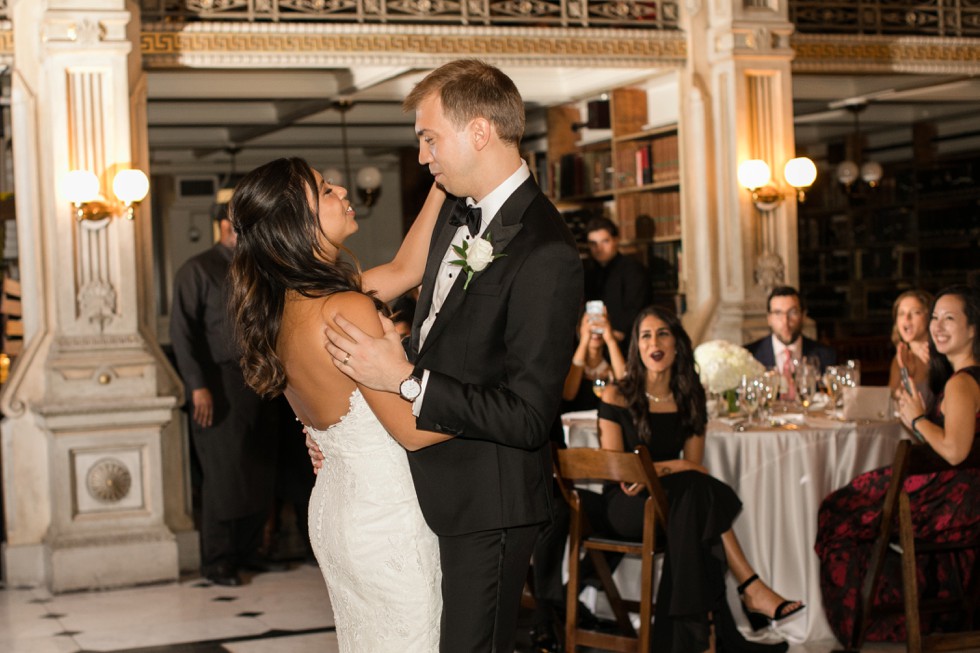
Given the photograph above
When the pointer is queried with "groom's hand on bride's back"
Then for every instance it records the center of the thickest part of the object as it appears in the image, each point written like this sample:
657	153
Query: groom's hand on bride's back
316	456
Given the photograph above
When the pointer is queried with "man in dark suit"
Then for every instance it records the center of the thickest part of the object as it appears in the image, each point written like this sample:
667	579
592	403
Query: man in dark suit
232	428
490	347
621	282
785	313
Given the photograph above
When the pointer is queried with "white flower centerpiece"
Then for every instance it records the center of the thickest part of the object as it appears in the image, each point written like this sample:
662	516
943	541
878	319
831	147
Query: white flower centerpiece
722	364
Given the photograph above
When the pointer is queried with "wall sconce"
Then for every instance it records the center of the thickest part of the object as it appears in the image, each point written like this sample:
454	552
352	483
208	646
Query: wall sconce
754	174
92	209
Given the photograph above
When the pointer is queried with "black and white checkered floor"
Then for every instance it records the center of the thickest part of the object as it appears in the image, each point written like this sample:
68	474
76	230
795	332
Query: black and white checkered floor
274	613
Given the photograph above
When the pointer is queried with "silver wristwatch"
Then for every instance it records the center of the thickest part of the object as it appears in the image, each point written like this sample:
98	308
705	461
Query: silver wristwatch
410	388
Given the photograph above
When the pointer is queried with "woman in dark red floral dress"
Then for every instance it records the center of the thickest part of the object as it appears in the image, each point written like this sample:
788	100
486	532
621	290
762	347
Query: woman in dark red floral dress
945	505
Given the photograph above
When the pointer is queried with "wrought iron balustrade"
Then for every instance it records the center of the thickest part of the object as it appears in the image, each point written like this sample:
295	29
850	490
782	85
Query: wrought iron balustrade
947	18
648	14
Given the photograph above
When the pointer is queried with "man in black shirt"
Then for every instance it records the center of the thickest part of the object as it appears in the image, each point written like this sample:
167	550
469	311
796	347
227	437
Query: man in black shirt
621	282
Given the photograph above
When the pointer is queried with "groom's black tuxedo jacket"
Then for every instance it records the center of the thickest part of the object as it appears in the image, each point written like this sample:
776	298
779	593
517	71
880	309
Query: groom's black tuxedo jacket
497	355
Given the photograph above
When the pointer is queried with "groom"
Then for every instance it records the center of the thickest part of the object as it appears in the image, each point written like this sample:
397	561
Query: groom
490	350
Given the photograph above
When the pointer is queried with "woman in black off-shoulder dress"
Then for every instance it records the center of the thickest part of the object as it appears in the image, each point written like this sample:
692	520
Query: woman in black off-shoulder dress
661	405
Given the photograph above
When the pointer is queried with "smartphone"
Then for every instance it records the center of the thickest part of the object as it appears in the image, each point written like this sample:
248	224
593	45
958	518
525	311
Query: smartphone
905	379
594	309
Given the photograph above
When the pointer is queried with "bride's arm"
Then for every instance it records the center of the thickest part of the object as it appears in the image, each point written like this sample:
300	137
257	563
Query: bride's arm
394	413
404	272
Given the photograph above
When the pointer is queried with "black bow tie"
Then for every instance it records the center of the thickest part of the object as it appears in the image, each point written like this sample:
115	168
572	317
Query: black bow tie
471	216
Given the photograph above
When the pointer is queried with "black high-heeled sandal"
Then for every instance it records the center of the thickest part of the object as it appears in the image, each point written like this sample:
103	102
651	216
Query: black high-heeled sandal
759	620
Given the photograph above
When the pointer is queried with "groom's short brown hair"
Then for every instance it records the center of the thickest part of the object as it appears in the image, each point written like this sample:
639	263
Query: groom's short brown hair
470	88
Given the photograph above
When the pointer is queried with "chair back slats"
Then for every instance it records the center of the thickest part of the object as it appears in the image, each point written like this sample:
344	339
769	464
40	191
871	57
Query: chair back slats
581	465
896	514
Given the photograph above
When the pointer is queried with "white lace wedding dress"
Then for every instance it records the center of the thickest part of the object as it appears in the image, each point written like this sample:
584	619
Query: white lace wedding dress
378	556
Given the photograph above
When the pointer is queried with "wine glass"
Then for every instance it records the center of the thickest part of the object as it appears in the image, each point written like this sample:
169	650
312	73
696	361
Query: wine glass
807	374
770	382
832	385
598	386
749	396
852	373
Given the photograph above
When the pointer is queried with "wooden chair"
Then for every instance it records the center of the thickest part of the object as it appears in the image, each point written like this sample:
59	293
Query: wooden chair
916	459
580	465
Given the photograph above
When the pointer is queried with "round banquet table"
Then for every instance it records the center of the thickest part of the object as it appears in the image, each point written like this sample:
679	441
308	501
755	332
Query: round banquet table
781	473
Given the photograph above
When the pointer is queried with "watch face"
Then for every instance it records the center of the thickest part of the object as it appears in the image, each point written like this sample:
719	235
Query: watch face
410	388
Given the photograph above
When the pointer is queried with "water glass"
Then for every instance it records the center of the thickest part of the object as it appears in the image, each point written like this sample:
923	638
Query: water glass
750	396
770	382
832	383
807	373
852	373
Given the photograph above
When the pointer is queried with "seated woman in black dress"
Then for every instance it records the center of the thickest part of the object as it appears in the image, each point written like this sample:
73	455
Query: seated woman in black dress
661	404
945	506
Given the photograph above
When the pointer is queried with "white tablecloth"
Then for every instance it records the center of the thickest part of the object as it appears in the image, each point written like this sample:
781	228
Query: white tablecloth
782	475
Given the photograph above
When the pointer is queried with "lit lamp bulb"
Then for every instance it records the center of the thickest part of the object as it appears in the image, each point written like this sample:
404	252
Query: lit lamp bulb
333	176
368	182
81	186
800	173
871	172
847	172
754	173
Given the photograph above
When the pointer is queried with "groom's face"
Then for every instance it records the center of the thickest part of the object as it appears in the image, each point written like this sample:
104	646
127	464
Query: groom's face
444	147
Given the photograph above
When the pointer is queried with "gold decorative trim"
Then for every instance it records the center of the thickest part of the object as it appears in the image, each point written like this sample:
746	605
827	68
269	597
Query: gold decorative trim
263	45
872	54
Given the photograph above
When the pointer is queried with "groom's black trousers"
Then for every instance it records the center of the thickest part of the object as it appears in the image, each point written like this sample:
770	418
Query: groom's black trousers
483	577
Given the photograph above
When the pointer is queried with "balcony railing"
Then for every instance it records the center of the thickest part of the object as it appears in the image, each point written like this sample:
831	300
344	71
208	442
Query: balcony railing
649	14
949	18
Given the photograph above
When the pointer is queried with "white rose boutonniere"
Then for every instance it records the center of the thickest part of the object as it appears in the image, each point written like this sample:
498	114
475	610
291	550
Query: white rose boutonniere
475	257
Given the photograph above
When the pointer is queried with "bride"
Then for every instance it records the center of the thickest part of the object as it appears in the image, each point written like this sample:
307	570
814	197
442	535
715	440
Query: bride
378	557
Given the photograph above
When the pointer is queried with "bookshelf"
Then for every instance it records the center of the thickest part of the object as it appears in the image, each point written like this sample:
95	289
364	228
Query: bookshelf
627	171
858	251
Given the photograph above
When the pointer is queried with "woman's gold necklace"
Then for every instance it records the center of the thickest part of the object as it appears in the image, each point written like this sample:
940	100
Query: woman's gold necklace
655	399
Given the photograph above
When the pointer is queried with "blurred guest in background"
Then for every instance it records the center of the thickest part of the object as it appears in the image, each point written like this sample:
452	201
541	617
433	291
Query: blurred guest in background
785	314
596	362
910	335
620	281
232	428
945	506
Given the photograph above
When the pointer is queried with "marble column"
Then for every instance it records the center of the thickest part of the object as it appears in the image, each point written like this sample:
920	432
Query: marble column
93	458
736	99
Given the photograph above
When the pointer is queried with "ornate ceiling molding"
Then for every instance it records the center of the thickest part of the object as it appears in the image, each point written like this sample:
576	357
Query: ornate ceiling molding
263	45
876	54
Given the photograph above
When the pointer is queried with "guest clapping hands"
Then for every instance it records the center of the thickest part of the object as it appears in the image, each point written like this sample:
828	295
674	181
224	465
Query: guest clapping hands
910	335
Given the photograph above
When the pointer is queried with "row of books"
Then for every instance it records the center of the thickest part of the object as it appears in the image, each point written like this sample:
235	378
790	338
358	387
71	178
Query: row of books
648	162
583	173
646	216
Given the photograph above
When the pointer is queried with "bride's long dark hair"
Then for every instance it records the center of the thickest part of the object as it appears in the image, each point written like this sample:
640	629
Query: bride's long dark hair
685	384
280	248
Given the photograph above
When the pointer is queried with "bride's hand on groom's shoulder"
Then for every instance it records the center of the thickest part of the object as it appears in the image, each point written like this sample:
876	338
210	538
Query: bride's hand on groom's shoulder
376	362
316	456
